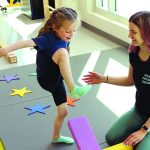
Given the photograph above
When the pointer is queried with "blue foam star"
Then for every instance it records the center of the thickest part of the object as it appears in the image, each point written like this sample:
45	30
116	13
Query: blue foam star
9	78
37	108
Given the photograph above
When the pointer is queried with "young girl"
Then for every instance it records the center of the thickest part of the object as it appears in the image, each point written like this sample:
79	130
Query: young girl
53	64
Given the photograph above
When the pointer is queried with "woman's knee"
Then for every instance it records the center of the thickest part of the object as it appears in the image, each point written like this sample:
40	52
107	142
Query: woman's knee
113	137
110	139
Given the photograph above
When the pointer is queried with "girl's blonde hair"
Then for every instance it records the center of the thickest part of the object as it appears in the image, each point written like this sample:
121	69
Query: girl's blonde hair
57	19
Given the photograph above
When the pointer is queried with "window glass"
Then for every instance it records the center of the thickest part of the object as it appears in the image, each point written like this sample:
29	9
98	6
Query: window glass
123	8
128	7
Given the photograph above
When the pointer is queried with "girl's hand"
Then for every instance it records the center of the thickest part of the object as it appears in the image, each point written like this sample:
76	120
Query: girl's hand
135	137
2	51
93	78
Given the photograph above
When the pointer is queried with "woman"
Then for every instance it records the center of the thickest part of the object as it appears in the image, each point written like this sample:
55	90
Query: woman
133	128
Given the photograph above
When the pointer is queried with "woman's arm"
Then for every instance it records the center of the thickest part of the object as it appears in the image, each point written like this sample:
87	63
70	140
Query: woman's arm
146	126
122	81
138	135
96	78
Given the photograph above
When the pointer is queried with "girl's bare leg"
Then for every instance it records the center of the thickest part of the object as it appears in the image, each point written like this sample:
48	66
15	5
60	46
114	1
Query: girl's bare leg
61	114
61	57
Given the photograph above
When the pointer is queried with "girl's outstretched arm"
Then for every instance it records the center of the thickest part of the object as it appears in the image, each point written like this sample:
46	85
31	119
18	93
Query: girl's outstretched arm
16	46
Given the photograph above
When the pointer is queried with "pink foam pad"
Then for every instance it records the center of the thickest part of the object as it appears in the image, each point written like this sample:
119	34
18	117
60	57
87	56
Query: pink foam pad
82	133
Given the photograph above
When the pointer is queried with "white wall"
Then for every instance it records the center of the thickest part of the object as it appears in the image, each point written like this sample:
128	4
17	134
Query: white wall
68	3
90	16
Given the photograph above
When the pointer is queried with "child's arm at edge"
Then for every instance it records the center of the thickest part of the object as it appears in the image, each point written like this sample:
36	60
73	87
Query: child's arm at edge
16	46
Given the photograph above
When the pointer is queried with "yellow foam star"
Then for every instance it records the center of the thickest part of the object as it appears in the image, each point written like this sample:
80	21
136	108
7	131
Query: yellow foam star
20	92
1	145
120	146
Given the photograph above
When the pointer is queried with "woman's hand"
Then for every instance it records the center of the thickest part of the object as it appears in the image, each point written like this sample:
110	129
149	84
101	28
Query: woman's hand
135	137
93	78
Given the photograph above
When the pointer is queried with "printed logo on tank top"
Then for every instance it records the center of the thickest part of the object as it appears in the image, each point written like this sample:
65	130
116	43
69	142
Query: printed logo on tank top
146	79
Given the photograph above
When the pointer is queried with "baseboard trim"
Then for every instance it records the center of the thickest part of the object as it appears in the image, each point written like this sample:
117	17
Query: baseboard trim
106	35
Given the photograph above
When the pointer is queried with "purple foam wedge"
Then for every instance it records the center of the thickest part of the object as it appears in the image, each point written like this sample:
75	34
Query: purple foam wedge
83	134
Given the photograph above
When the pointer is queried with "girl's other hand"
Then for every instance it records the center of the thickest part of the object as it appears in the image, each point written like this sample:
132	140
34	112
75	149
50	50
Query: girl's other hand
2	51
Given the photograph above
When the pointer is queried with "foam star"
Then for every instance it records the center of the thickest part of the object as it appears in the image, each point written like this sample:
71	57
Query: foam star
71	101
33	74
9	78
37	108
2	147
20	92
